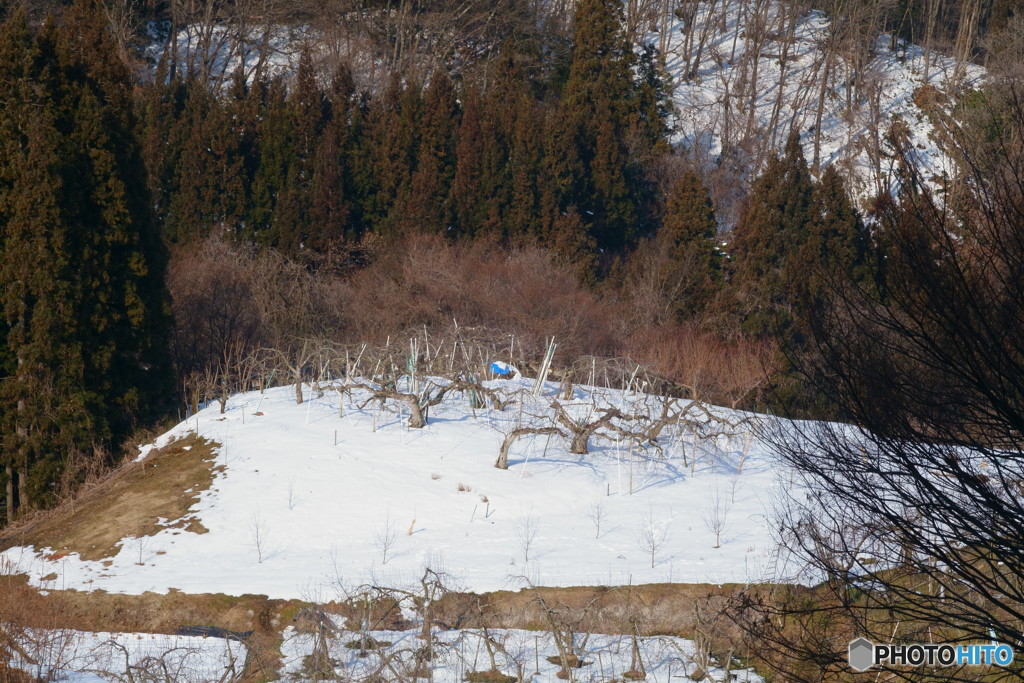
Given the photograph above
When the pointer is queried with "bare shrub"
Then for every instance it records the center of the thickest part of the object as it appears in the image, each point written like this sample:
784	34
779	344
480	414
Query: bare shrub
651	537
230	299
259	536
526	532
211	286
712	369
429	281
716	514
385	536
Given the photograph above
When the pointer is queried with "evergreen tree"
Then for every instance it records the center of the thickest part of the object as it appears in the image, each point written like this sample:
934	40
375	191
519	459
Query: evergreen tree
648	120
274	210
615	123
512	123
769	241
331	210
127	304
35	273
190	211
688	234
212	176
426	206
467	188
602	62
612	203
561	180
159	107
839	242
388	153
85	311
527	169
307	115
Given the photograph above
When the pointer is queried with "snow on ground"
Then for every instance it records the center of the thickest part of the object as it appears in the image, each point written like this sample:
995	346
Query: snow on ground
716	103
87	657
310	503
217	51
458	653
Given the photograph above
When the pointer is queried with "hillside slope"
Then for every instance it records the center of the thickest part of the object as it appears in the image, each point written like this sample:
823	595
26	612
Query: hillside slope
754	76
743	75
304	503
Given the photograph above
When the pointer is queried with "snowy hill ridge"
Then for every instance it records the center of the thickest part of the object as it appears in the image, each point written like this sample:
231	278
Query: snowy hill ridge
339	491
760	72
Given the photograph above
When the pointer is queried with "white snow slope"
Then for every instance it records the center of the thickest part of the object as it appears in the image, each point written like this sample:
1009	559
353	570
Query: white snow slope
740	86
296	515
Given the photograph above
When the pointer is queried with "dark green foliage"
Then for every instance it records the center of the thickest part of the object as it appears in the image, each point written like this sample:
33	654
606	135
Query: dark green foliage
652	108
388	152
770	239
274	209
796	239
331	212
597	106
426	206
839	242
545	144
689	232
85	306
602	60
526	168
467	206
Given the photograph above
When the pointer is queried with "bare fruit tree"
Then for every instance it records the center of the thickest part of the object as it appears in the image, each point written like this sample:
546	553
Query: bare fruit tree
582	430
716	514
652	537
598	514
515	435
385	536
526	532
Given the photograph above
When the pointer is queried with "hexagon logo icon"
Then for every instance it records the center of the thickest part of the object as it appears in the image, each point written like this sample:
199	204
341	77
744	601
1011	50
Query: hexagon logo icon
862	654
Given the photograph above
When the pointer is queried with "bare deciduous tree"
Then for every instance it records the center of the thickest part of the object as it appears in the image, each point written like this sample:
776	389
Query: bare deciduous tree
515	435
652	536
598	513
385	536
526	532
716	514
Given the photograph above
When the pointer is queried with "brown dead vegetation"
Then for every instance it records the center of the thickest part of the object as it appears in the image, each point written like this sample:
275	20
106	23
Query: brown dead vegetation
231	300
658	609
127	503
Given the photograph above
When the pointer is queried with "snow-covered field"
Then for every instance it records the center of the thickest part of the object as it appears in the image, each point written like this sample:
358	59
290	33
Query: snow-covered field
458	653
310	503
88	657
84	657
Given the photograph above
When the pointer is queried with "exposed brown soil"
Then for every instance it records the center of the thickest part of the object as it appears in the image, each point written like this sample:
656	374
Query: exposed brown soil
129	502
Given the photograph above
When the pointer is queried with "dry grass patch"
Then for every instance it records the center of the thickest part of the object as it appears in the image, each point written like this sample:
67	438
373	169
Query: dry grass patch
129	502
655	609
490	676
